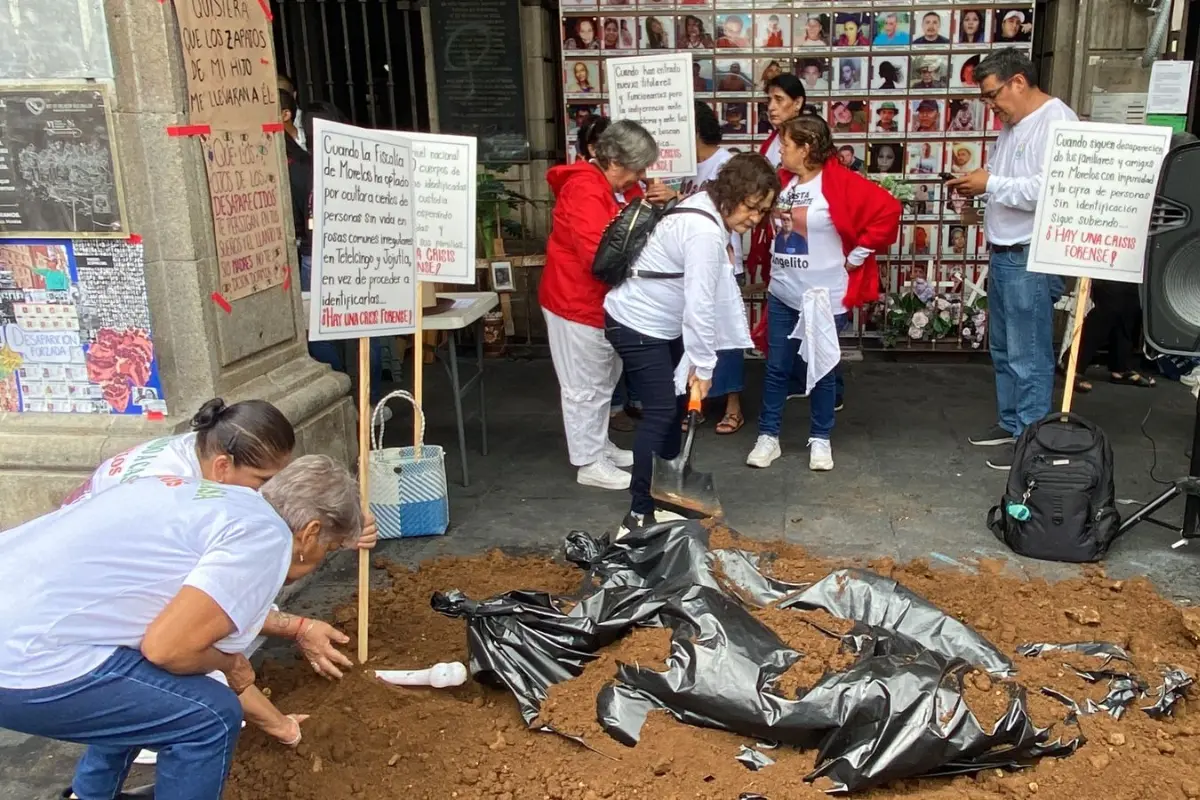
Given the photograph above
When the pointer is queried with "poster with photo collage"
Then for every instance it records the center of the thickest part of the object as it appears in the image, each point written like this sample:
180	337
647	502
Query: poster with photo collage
75	328
895	81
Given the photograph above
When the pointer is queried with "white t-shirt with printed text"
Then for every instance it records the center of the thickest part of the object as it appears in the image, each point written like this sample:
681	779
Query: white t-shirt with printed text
806	251
80	582
168	455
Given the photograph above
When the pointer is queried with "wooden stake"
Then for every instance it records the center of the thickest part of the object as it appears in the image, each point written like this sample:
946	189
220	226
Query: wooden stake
418	367
1081	301
364	488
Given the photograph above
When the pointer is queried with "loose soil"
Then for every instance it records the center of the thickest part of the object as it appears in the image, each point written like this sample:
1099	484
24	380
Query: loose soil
368	740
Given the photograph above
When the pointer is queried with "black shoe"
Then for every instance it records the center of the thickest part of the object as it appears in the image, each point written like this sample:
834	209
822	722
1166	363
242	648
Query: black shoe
993	437
839	404
1002	460
633	523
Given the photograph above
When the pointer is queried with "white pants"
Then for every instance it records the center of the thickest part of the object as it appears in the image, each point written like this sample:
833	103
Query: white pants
588	370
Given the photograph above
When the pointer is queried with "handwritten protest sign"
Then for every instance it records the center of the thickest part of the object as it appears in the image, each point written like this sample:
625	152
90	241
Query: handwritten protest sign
1094	211
243	184
444	193
229	63
656	91
364	272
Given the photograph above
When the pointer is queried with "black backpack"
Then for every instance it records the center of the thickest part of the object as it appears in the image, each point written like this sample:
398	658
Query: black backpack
1059	504
626	236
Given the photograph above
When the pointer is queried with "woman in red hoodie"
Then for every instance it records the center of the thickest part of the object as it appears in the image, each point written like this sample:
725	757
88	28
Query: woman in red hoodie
828	224
573	301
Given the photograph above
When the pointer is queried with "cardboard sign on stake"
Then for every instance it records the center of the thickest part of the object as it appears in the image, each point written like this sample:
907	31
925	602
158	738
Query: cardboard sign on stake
364	279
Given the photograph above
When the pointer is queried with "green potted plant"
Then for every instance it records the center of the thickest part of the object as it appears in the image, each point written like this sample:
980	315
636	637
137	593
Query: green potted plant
493	202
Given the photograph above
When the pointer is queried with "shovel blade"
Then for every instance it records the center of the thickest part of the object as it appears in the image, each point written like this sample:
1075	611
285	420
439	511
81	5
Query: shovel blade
675	486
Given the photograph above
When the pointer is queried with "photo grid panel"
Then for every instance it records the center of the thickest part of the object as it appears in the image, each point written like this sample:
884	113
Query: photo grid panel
894	80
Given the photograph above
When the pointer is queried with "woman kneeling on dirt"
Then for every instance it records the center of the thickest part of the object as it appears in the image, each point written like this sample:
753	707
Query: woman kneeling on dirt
680	305
244	444
118	608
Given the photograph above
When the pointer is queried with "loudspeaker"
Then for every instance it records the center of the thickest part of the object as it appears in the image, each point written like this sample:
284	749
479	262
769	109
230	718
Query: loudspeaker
1171	291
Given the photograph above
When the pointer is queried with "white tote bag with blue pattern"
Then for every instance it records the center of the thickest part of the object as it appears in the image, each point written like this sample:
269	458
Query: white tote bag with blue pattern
408	484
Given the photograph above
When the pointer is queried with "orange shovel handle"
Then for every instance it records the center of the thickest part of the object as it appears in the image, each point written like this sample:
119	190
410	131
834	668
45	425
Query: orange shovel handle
694	401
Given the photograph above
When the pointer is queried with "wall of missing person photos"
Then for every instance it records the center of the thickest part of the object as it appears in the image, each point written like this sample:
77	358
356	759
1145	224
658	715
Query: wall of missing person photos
894	80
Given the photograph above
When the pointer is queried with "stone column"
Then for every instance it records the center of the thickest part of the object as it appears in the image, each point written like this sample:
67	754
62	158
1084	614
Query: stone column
257	351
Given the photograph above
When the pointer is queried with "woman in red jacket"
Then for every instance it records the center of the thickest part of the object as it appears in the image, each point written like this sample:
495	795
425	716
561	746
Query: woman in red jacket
573	301
828	224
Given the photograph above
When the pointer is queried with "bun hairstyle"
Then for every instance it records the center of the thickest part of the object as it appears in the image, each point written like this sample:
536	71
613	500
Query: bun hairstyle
253	433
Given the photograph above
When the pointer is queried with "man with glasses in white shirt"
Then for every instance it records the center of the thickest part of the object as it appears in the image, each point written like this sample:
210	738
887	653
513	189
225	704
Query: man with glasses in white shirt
1020	302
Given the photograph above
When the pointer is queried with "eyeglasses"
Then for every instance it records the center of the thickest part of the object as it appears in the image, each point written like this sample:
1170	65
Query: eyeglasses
990	96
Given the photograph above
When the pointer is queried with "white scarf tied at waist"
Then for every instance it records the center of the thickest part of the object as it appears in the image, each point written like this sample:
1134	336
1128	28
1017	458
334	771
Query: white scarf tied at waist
817	332
732	327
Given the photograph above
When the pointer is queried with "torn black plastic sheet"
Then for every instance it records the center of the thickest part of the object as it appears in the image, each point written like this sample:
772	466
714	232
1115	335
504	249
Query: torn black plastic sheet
1124	687
896	713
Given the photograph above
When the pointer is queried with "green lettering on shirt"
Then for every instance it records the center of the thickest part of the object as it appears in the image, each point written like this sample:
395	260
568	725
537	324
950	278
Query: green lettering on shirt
209	490
143	459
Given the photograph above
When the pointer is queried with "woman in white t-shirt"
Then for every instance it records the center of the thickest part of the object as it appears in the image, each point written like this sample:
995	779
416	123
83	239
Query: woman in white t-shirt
116	609
680	306
241	445
244	444
828	224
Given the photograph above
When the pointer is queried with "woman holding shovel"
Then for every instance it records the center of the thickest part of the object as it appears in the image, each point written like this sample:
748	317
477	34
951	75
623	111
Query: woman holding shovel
668	332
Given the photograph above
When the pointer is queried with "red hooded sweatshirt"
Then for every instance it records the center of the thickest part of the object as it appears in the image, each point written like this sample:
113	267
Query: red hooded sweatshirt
864	214
584	205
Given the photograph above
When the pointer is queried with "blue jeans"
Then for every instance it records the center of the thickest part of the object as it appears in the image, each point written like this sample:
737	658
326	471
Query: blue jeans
1021	338
125	704
782	355
650	369
306	273
798	382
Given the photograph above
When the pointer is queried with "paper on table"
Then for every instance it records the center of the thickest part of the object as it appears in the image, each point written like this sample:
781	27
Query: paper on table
460	302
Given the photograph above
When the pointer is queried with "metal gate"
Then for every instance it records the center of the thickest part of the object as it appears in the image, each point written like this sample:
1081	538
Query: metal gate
365	56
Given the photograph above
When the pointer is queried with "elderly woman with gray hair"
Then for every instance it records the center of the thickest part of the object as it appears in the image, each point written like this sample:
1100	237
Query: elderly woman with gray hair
588	195
118	608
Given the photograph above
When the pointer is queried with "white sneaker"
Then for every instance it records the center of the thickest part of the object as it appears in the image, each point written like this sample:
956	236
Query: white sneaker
603	474
146	758
619	457
765	451
820	455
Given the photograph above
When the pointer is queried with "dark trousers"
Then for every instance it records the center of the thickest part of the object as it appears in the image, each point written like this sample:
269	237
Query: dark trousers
650	372
1115	322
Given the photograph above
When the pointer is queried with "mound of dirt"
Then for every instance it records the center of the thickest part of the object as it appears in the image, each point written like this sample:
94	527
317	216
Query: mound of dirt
368	740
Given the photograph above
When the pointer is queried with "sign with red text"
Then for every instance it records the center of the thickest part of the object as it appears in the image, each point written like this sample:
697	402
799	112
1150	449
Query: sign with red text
656	91
443	176
364	275
1093	215
243	186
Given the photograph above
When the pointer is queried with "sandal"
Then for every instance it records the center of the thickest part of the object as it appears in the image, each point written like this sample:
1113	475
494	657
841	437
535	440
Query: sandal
730	423
699	421
1082	385
1134	379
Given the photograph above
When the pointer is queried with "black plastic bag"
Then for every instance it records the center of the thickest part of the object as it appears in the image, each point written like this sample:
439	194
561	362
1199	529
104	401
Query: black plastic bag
897	712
